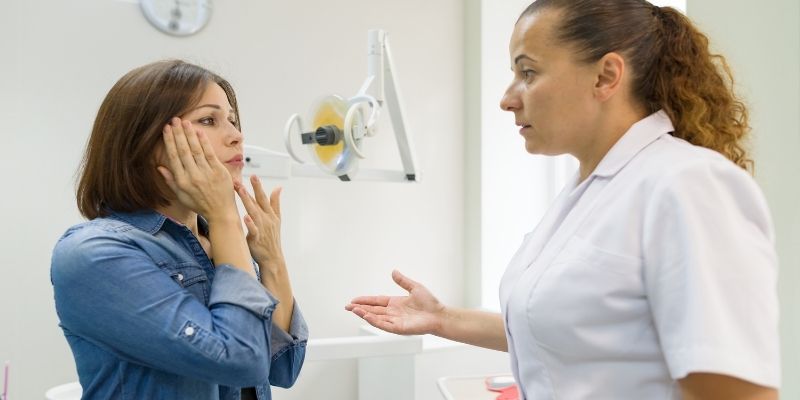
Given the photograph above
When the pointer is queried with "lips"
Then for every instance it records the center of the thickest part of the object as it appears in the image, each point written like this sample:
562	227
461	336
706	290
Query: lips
522	128
236	161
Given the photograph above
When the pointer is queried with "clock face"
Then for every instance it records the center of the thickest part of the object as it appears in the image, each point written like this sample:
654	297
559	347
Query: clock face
177	17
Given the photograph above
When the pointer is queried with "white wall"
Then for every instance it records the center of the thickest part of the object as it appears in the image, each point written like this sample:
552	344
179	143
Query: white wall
59	58
516	188
761	40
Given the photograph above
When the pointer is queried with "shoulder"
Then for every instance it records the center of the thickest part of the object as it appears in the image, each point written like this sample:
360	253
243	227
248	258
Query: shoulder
87	241
99	228
684	178
671	163
676	152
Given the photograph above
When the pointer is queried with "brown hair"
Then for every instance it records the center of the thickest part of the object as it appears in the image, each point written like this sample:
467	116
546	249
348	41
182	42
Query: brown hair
673	68
118	171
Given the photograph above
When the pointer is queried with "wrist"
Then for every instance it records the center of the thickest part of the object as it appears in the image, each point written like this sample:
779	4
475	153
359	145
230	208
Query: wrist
272	267
224	219
443	319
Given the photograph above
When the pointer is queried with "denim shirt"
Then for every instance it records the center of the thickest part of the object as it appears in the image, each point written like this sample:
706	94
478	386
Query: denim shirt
148	316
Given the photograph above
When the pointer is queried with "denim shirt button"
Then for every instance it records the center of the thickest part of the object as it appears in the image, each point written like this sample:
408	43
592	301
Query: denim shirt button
180	277
189	331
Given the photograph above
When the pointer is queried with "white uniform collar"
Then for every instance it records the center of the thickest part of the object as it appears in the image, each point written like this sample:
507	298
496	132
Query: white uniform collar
640	134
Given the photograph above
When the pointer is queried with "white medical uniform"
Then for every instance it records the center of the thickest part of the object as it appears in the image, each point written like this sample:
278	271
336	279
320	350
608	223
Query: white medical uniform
659	264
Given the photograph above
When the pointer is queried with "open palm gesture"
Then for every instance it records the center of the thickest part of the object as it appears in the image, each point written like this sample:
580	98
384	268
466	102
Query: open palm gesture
418	313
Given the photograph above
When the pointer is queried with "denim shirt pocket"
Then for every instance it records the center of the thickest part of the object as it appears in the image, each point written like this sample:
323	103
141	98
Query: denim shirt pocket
191	277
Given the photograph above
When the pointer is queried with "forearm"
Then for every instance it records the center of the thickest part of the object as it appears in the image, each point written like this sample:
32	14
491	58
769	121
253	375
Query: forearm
710	386
475	327
229	244
275	278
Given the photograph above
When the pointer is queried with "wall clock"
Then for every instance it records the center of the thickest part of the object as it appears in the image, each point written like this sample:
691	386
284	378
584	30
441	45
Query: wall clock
177	17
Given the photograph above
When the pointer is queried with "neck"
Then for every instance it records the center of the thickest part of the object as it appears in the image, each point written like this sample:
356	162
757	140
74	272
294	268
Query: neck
182	215
606	131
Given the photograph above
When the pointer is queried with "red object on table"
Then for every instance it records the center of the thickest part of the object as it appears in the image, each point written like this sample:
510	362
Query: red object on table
504	385
509	393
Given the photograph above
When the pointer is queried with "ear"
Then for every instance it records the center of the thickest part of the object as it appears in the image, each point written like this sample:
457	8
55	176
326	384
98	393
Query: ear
610	69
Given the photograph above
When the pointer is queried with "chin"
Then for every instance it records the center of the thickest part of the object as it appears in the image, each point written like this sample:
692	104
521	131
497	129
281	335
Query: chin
236	173
533	148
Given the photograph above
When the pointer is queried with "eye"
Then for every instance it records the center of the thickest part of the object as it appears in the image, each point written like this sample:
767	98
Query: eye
209	121
528	74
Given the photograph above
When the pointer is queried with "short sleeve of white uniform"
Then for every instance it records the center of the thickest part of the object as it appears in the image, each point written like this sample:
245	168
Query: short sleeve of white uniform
711	273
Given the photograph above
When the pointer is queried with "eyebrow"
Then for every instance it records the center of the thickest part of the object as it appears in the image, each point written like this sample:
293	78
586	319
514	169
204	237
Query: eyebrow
214	106
521	57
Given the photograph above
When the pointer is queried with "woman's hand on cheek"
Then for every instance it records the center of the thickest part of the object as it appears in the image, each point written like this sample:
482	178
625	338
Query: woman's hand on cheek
200	181
263	222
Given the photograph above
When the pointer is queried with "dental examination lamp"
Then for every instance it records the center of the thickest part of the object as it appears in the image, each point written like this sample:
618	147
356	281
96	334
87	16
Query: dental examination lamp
339	127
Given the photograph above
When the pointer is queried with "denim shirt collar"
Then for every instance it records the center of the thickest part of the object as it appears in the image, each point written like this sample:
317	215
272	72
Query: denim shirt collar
152	221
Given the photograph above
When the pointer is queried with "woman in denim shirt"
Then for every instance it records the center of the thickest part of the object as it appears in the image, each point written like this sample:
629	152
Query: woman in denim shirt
161	294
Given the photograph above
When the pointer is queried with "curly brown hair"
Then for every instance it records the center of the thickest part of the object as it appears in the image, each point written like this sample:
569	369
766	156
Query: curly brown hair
673	68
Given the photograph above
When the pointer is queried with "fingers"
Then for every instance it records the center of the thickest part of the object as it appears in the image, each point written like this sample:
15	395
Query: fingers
275	200
195	148
173	158
377	310
186	154
382	301
252	229
271	204
258	189
379	321
249	204
208	149
403	281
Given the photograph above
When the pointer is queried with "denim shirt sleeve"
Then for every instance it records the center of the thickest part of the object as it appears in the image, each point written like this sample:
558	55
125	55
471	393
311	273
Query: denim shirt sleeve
110	292
287	349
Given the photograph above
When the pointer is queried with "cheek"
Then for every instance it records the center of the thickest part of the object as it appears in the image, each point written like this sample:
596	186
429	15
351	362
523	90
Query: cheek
542	103
551	107
547	88
557	103
217	146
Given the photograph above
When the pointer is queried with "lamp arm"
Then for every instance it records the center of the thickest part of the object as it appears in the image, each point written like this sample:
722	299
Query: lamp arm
396	113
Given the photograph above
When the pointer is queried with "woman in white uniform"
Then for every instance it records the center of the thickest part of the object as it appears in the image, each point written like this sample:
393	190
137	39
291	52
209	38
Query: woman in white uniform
653	275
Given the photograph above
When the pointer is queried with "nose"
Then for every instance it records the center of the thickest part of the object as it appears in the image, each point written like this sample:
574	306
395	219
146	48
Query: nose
234	136
510	101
